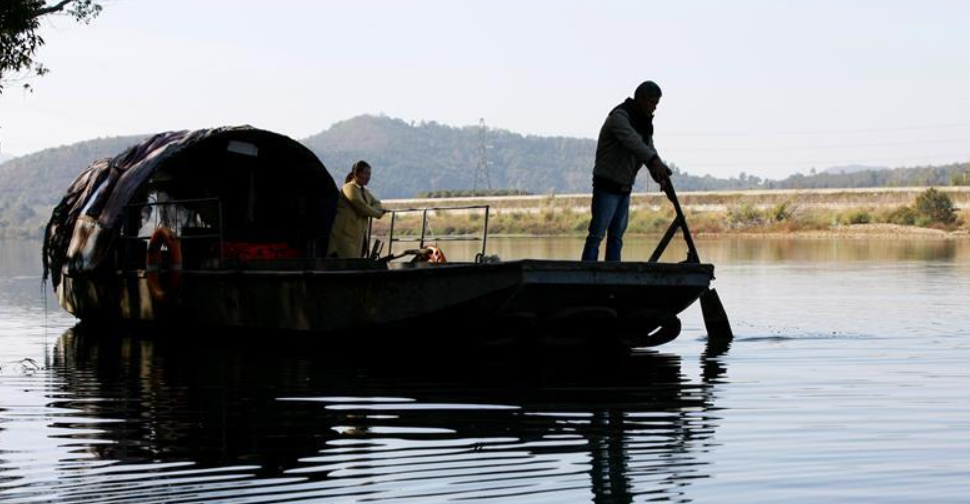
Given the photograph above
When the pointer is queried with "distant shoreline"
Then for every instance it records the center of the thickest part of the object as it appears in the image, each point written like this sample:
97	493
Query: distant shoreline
841	198
858	232
826	213
853	232
822	213
850	232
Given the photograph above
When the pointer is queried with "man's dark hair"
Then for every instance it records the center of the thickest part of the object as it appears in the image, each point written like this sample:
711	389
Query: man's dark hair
647	90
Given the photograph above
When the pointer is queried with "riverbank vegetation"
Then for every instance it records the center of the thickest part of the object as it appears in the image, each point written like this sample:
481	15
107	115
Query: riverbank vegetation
931	209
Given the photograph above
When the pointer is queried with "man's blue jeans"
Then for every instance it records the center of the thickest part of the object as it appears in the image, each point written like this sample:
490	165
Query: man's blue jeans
610	214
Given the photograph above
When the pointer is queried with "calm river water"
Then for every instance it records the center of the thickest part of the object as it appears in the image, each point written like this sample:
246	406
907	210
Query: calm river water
848	381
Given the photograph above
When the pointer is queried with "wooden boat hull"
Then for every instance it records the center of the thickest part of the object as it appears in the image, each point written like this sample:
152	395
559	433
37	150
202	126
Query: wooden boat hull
558	296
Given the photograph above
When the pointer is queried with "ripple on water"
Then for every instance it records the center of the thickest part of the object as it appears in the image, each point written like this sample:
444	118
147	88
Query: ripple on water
846	383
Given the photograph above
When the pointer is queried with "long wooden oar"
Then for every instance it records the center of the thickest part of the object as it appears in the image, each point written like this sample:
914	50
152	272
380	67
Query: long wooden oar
715	318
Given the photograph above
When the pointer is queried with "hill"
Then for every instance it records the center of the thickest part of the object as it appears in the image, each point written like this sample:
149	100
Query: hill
411	158
31	185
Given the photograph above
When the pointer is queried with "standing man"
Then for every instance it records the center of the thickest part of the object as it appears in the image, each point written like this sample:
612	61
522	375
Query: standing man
625	145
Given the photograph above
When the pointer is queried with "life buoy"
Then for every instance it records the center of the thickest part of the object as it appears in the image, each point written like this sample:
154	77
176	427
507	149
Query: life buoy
436	256
161	291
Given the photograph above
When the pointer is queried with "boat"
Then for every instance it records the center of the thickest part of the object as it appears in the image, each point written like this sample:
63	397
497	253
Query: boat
227	228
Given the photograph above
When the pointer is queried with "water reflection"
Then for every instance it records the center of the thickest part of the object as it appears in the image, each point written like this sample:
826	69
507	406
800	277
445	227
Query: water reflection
147	419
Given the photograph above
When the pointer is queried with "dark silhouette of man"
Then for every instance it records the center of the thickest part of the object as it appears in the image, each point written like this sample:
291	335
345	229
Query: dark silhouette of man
625	145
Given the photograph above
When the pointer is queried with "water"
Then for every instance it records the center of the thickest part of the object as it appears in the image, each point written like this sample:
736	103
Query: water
847	382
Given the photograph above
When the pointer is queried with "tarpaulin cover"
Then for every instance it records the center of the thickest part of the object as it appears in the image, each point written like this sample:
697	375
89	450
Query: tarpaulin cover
84	224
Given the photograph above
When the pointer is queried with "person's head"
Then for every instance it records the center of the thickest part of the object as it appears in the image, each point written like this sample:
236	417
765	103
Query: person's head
360	173
647	96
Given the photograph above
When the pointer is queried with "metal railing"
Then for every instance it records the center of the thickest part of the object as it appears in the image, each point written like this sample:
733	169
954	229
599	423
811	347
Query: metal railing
422	240
176	224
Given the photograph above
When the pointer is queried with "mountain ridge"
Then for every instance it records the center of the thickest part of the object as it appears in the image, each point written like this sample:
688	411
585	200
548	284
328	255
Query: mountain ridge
412	158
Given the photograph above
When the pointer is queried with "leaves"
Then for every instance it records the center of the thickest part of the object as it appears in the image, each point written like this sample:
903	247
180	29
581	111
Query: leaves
19	22
936	206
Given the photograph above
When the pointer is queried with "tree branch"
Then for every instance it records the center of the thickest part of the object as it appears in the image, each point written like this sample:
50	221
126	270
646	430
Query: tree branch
58	7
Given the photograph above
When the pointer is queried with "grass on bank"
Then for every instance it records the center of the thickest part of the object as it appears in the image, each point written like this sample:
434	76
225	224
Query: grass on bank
557	217
931	209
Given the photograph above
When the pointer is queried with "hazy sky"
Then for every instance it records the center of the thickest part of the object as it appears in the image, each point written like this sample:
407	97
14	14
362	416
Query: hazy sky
767	87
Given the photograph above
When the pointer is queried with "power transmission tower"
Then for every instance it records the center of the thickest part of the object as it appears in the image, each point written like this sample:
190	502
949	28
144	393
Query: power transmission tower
481	169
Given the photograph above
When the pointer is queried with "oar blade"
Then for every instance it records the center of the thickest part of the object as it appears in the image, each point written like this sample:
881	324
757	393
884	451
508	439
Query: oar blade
715	318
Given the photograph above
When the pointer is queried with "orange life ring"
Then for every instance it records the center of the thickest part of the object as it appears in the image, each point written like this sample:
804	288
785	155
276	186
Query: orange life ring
436	256
153	272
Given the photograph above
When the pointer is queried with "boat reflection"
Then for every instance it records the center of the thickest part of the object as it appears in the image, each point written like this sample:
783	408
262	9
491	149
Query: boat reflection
287	421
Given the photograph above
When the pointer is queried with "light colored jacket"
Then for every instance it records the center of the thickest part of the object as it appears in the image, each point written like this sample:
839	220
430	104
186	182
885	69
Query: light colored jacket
620	150
355	206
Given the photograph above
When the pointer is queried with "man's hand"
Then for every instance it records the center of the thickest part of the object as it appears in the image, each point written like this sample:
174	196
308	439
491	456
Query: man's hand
661	174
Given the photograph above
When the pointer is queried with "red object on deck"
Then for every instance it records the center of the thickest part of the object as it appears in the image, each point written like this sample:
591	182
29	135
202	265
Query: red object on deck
246	251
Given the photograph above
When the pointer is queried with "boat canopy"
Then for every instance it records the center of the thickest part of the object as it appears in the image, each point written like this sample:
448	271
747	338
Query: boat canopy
249	185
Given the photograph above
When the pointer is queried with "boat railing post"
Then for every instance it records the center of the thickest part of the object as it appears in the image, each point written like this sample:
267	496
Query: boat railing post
485	233
370	236
221	244
424	227
390	234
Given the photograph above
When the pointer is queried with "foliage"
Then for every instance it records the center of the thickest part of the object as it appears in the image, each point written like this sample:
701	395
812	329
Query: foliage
782	211
960	178
904	216
936	207
952	174
745	215
857	216
19	23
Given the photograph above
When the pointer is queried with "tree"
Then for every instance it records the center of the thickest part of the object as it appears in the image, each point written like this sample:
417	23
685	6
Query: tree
936	206
19	40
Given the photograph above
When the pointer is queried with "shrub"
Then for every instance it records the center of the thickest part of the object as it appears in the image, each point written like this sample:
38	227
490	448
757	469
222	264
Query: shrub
860	216
936	207
904	216
745	215
646	221
782	211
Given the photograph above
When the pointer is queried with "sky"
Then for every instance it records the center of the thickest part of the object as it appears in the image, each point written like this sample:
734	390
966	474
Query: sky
768	88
